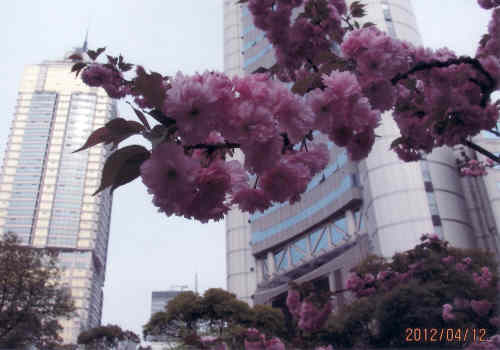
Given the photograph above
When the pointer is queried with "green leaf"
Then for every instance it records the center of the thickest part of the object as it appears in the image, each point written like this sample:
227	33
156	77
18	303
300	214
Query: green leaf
114	132
122	167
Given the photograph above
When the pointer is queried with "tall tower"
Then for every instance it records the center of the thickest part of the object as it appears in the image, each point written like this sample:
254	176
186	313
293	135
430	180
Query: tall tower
240	263
380	205
46	190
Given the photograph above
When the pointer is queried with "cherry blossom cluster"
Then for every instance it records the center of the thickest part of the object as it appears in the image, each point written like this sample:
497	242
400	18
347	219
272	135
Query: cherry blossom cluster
492	343
212	342
310	318
297	43
475	168
437	99
368	284
109	79
259	115
255	340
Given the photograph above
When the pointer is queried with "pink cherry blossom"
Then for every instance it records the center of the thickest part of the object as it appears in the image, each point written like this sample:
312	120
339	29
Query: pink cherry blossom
293	302
448	260
170	175
481	307
495	321
488	4
447	313
97	75
461	303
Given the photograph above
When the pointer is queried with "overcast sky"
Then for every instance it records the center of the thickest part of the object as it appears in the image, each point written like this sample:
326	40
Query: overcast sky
148	251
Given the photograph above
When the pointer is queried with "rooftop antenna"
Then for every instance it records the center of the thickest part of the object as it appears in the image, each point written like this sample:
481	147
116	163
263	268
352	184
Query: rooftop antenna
84	47
196	282
181	287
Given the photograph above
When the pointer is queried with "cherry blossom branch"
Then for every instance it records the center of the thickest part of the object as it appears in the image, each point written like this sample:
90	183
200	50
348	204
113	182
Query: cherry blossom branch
346	20
213	147
316	70
481	150
494	132
485	89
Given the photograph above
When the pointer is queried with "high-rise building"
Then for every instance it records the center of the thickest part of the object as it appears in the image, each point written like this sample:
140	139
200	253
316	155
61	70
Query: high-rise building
159	300
46	190
380	205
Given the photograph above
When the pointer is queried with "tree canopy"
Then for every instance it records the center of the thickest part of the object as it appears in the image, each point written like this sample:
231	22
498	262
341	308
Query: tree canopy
32	298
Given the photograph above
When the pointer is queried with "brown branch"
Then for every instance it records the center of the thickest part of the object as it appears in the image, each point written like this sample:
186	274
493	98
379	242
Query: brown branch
494	132
213	147
346	20
485	89
481	150
314	67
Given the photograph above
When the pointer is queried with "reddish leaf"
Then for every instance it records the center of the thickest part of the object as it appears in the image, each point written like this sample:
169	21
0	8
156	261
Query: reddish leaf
114	132
94	54
112	60
77	67
98	136
162	118
125	67
368	24
484	40
141	117
357	9
397	142
150	86
307	84
122	166
121	129
260	70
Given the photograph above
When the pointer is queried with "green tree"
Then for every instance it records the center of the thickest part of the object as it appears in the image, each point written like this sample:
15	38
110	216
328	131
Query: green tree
181	316
218	312
105	337
413	288
32	298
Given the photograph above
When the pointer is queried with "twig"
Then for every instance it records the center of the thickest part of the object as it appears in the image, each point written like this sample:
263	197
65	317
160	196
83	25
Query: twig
485	89
481	150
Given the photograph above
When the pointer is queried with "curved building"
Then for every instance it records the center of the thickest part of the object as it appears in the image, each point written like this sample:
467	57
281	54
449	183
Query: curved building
380	205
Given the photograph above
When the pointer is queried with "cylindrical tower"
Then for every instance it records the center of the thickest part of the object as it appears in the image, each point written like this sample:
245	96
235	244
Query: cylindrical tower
240	263
404	200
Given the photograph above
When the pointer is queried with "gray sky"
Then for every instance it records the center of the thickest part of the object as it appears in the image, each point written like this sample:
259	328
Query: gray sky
148	251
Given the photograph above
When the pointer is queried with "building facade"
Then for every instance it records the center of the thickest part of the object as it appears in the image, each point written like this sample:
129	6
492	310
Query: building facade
46	190
380	205
159	300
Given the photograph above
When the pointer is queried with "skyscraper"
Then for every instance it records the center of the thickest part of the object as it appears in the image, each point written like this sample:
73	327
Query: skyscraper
46	190
380	205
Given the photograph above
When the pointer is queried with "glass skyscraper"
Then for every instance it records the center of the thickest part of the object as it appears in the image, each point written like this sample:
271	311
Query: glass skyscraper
46	190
